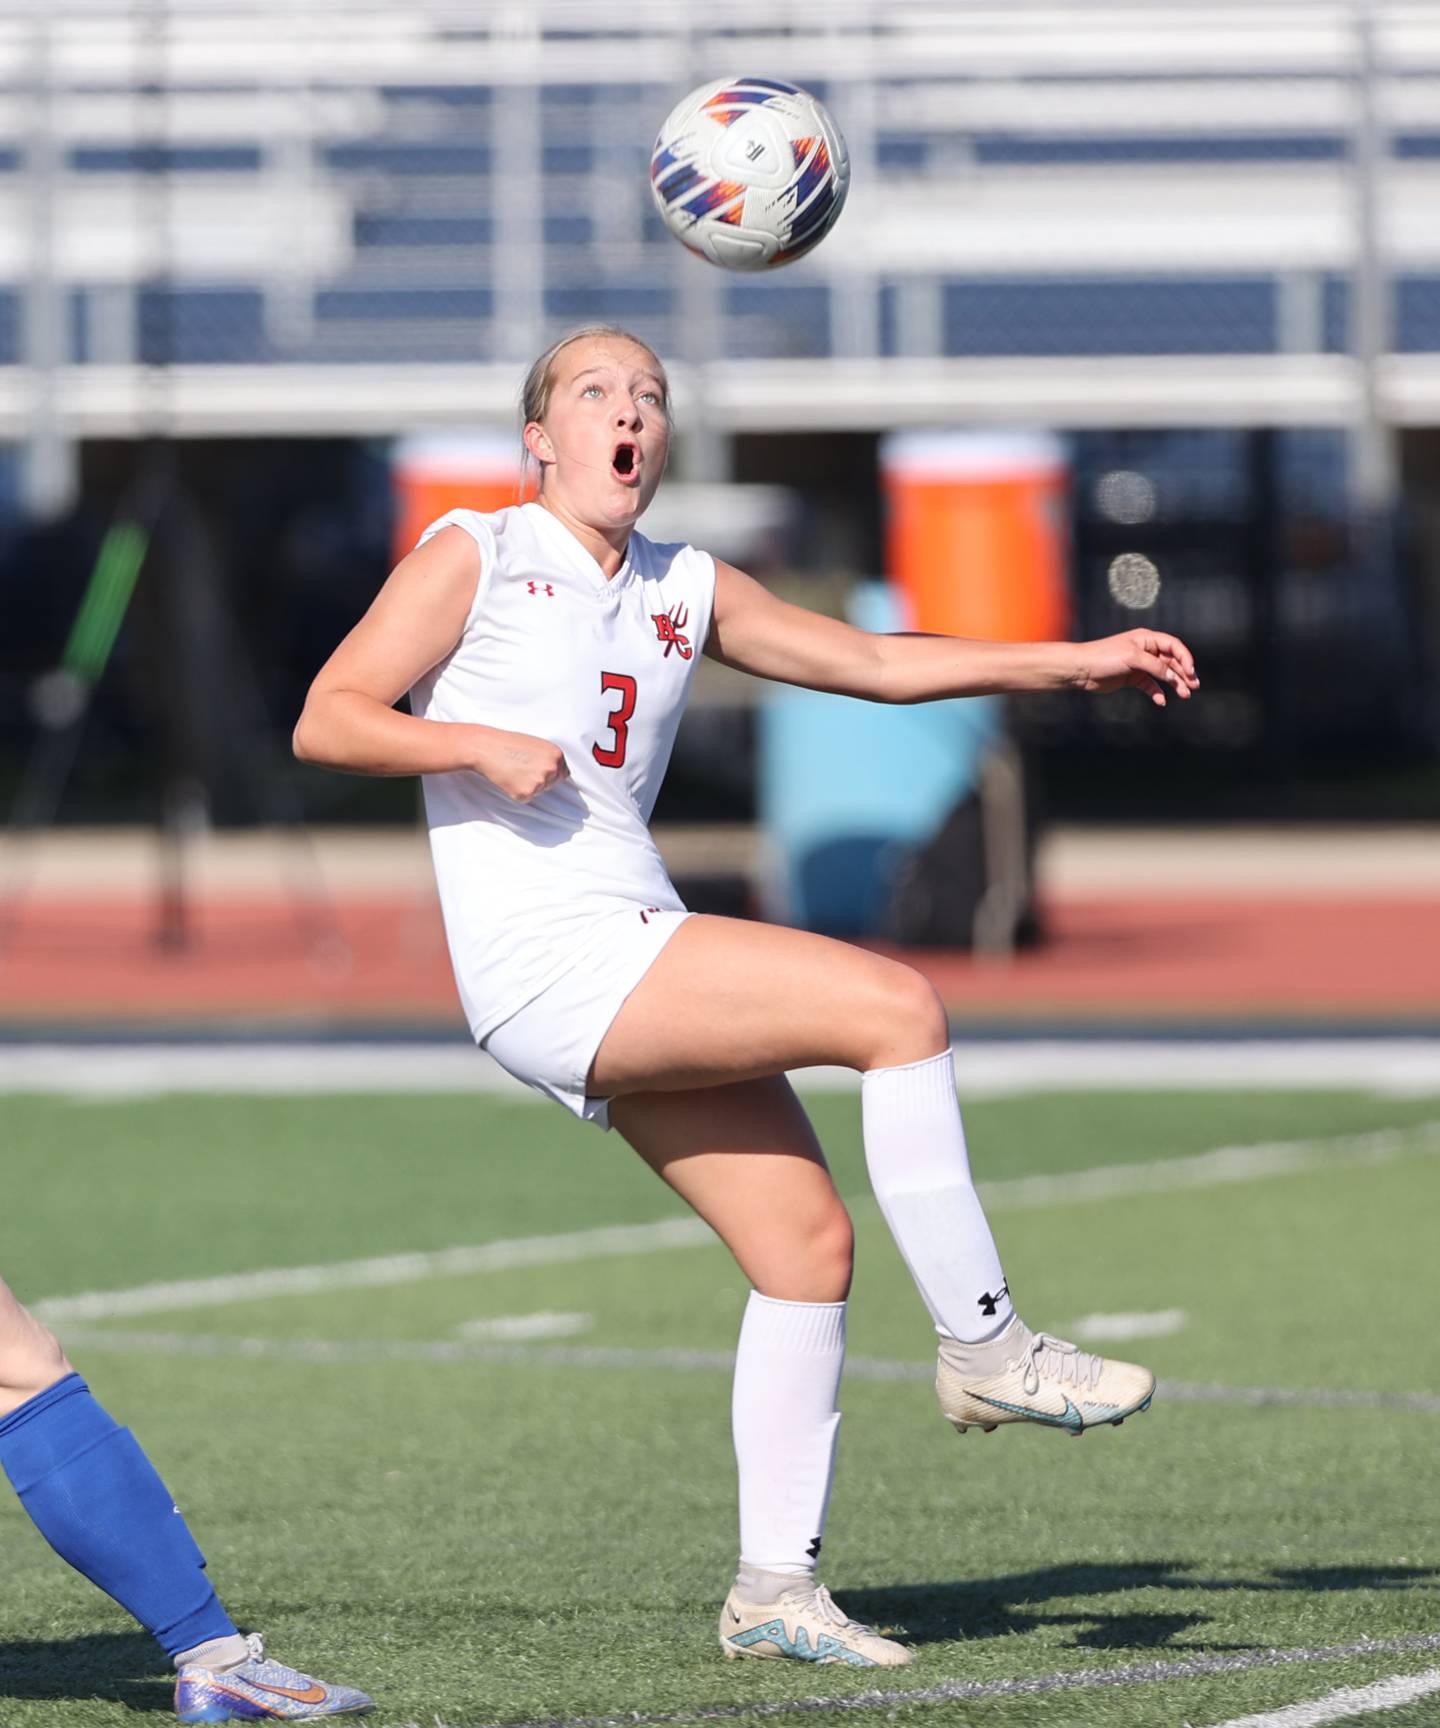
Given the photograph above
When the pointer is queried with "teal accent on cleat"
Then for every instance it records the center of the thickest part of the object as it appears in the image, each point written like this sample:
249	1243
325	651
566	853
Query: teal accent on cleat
1025	1376
806	1626
1069	1418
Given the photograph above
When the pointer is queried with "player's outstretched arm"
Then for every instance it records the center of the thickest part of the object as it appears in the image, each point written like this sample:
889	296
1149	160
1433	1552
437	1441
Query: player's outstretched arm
349	720
756	632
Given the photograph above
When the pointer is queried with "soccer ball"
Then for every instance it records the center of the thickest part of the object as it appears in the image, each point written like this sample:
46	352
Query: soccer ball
750	172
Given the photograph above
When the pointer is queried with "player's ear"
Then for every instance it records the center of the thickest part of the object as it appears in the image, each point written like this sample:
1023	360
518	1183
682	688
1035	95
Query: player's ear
537	443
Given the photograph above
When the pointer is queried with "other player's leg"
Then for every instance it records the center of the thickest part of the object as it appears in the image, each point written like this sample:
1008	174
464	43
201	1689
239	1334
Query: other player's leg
745	1158
98	1501
727	1000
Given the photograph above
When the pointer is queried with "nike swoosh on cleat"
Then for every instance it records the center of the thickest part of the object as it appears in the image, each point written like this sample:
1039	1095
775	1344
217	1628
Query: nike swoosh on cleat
1069	1417
314	1693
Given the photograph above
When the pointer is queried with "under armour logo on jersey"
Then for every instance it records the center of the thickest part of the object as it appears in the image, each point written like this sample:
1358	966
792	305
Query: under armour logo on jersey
668	626
541	588
989	1303
814	1549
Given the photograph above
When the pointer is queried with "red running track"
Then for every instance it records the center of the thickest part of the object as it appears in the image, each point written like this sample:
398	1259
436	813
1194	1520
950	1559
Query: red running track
1175	959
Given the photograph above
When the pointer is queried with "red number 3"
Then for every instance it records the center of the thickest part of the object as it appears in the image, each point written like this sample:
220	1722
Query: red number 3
614	757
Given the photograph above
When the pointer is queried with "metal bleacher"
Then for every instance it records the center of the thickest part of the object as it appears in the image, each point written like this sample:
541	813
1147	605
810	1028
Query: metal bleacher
320	215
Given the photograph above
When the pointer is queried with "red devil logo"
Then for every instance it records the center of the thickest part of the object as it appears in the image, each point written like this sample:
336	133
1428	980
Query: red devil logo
668	626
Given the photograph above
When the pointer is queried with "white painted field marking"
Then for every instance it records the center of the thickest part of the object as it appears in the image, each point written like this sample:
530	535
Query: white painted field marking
985	1067
1397	1067
386	1269
523	1328
1164	1175
1106	1328
1348	1701
1216	1169
610	1357
965	1691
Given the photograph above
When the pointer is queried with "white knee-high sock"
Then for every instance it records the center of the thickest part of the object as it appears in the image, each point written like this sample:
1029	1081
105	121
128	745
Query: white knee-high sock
787	1375
920	1171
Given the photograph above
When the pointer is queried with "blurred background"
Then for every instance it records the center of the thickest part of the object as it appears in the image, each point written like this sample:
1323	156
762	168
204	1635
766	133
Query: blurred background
1133	317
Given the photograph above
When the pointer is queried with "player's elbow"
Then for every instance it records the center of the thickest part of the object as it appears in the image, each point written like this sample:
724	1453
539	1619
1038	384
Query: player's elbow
878	675
306	740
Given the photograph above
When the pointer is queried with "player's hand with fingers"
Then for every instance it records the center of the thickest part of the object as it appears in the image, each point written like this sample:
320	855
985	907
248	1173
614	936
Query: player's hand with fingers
520	766
1148	660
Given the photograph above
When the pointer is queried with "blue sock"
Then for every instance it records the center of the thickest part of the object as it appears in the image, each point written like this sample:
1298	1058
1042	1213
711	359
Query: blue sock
97	1500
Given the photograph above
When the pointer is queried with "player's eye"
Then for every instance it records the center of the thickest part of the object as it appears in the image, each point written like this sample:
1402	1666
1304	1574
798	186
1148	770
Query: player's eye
650	396
591	390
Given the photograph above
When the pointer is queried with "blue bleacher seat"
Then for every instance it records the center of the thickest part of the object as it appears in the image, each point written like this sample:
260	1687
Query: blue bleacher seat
406	157
197	326
1110	315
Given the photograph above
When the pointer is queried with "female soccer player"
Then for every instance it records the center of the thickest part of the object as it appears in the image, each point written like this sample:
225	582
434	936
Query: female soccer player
97	1500
548	650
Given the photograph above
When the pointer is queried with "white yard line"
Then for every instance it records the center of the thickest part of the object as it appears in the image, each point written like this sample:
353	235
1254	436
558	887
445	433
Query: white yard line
384	1269
985	1068
967	1691
1397	1067
1107	1328
1347	1702
609	1358
524	1328
1228	1165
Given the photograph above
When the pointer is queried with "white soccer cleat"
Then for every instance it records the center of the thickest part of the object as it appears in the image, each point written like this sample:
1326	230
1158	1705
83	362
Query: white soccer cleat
261	1689
1025	1376
805	1625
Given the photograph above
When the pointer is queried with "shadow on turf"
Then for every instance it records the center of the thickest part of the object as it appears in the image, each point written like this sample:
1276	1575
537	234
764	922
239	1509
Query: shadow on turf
1000	1607
119	1667
115	1667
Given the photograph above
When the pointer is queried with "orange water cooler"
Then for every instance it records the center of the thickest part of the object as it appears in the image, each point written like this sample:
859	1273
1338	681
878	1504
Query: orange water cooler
976	532
435	474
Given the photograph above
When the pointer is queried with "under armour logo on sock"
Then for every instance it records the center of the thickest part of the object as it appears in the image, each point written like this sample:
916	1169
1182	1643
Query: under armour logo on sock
989	1303
814	1549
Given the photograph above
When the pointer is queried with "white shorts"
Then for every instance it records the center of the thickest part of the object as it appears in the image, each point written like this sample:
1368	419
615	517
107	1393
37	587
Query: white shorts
551	1041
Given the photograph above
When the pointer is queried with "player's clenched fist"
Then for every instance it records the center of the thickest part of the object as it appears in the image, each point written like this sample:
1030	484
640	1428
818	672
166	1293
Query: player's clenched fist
522	767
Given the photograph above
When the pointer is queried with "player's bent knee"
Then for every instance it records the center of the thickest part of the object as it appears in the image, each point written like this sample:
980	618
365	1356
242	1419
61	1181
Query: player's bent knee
29	1365
814	1263
839	1256
830	1258
911	1023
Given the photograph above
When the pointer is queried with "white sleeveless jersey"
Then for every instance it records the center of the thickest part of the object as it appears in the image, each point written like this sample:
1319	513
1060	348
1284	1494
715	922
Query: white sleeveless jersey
600	668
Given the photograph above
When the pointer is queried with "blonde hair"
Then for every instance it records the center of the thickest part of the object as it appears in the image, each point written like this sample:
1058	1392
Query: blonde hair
539	386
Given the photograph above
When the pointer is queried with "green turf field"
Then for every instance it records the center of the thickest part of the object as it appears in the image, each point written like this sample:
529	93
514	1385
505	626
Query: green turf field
523	1532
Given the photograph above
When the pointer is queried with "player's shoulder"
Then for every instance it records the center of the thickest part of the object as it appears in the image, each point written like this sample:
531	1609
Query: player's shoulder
656	560
472	523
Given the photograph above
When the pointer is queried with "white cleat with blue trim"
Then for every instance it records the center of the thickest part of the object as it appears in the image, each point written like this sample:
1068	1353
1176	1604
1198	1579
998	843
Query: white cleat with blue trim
1025	1376
806	1626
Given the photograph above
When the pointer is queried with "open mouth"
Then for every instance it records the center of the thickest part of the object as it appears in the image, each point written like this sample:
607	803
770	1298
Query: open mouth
625	463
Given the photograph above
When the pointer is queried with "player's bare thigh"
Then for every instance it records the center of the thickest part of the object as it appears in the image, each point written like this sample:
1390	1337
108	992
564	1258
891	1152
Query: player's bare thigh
30	1358
745	1157
727	1000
